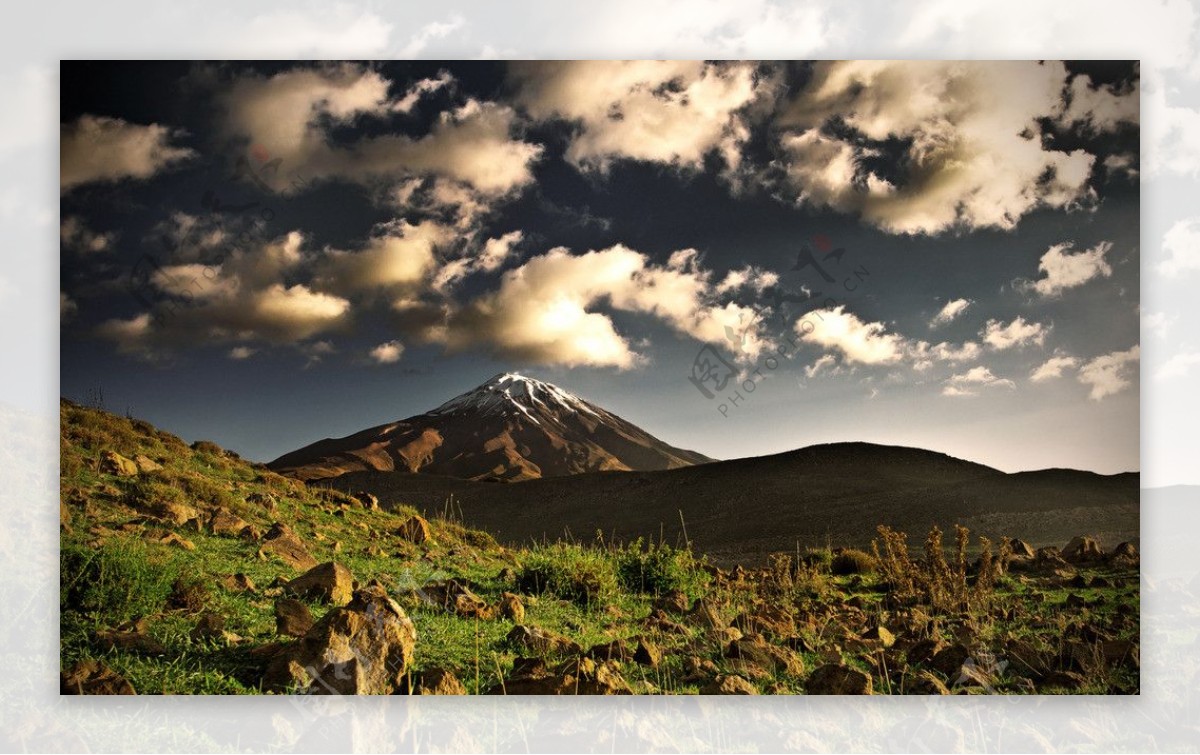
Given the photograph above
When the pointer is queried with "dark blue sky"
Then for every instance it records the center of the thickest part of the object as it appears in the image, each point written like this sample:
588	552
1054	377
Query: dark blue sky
272	347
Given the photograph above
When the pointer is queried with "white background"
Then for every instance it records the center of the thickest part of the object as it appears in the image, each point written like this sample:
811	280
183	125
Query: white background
1164	35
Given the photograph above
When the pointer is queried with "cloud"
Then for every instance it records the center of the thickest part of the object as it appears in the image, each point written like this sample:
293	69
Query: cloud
66	306
671	112
239	353
1017	333
1062	270
428	33
950	312
74	235
289	117
1182	245
387	353
964	384
971	135
95	148
397	255
1053	368
1099	108
858	342
494	254
1158	323
1108	374
1179	365
747	277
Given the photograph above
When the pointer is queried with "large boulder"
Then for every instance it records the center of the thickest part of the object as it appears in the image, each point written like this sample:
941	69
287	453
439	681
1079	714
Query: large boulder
1021	549
292	618
114	463
93	678
283	542
329	582
1082	550
364	648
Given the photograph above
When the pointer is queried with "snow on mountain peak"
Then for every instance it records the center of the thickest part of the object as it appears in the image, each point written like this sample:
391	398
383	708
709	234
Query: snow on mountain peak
510	391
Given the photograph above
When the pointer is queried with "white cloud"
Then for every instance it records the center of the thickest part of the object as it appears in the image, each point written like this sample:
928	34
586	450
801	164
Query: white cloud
95	148
1017	333
494	254
1099	108
747	277
974	156
673	112
398	254
964	384
239	353
825	363
387	353
1182	245
950	312
1158	323
1053	368
1179	365
857	341
428	33
74	235
1108	374
1061	269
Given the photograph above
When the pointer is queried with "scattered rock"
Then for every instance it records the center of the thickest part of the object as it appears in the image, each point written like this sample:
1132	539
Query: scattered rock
330	582
1121	653
949	660
225	522
697	669
647	654
265	500
675	601
370	502
130	642
706	613
171	538
238	583
835	679
189	595
542	641
926	683
879	636
210	626
168	512
282	541
511	607
616	650
414	529
363	648
1068	680
1082	550
455	597
1125	553
1021	549
753	650
731	684
437	681
114	463
64	516
292	618
146	464
93	678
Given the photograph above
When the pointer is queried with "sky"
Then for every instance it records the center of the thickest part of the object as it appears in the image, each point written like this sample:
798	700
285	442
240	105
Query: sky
741	258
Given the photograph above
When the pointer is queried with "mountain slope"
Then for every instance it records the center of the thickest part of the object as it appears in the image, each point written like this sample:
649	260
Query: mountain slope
509	428
742	509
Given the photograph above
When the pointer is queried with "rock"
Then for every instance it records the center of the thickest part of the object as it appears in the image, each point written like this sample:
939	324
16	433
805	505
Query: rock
414	529
130	642
225	522
767	620
265	500
1049	557
755	651
292	618
660	621
697	669
675	601
146	464
1121	653
238	583
1082	550
706	613
949	660
437	681
363	648
647	654
617	650
114	463
455	597
511	607
188	595
879	636
64	516
169	512
92	677
1021	549
330	582
835	679
926	683
731	684
170	538
580	676
282	541
370	502
1068	680
210	626
1125	553
541	641
724	635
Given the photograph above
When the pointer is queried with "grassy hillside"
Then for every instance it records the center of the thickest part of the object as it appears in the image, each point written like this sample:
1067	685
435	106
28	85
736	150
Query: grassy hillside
176	559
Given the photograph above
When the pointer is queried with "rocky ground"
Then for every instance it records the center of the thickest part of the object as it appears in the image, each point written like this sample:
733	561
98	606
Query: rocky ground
188	570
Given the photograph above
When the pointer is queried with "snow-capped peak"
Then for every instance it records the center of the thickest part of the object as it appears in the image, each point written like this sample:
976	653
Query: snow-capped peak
511	392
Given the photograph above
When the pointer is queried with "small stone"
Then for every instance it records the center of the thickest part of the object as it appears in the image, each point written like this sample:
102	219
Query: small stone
833	679
731	684
437	681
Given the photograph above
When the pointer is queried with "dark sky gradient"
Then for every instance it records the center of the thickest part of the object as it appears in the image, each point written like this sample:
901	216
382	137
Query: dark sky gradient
278	400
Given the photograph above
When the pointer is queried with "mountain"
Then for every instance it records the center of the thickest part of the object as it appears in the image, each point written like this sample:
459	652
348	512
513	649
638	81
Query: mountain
510	428
743	509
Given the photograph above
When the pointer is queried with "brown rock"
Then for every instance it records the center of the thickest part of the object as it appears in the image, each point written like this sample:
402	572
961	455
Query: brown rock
146	464
755	651
114	463
225	522
1082	550
92	677
949	660
1068	680
1021	549
616	650
292	618
437	681
238	583
511	607
706	613
168	512
282	541
130	642
926	683
414	529
330	582
363	648
1125	553
731	684
541	641
879	636
369	501
209	626
675	601
170	538
647	654
834	679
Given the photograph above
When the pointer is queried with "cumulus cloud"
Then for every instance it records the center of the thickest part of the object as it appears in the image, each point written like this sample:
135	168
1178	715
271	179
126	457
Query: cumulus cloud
1110	373
971	133
75	235
964	384
99	149
857	341
1099	108
397	255
1062	269
1179	365
239	353
949	312
673	112
387	353
494	254
1053	368
748	277
1017	333
288	117
1182	245
1158	323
